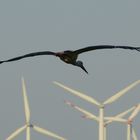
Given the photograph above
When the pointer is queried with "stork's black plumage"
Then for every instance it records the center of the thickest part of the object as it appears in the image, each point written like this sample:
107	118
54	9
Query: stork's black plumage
70	57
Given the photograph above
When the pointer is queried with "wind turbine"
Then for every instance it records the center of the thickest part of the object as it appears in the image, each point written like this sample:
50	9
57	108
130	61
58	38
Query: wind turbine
89	115
100	105
129	121
28	125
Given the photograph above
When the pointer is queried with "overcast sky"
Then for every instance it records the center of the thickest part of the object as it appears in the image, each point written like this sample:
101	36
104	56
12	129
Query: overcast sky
57	25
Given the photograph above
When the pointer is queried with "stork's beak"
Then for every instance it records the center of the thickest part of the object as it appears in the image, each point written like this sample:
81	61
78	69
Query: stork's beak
84	69
80	64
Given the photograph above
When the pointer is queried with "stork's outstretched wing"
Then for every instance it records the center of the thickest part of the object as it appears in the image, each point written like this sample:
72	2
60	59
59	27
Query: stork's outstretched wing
29	55
91	48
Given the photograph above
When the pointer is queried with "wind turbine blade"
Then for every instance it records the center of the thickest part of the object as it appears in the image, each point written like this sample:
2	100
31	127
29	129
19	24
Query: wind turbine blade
86	113
121	114
79	94
28	133
115	119
121	93
134	113
48	133
18	131
134	134
125	112
26	104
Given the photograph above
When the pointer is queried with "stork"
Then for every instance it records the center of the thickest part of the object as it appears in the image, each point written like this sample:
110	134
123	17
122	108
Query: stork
69	56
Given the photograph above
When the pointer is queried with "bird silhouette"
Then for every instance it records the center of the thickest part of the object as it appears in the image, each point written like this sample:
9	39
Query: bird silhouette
69	56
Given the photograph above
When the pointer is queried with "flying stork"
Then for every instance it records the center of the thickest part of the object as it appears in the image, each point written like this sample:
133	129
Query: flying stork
69	56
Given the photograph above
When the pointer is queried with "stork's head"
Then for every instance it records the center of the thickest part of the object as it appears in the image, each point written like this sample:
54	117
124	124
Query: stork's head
80	64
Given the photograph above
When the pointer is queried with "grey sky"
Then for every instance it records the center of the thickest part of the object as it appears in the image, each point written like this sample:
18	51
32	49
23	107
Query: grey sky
37	25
